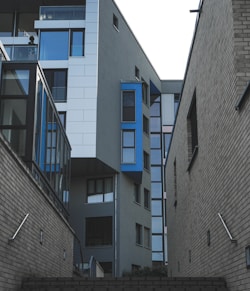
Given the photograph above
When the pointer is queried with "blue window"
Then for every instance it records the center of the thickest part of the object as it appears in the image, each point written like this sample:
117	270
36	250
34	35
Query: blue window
156	224
54	45
157	243
156	190
128	146
156	207
77	43
156	174
128	109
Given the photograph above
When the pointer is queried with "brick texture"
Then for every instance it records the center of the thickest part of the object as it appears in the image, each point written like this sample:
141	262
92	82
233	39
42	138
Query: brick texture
26	256
218	180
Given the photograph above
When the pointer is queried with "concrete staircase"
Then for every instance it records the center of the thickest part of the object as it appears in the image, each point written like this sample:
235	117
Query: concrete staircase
124	284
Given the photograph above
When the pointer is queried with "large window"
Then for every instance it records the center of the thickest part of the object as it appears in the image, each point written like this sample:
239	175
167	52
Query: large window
128	105
57	81
100	190
15	82
128	146
99	231
58	45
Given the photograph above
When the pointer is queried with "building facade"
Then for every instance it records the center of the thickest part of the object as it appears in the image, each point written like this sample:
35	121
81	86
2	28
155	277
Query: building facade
207	167
104	88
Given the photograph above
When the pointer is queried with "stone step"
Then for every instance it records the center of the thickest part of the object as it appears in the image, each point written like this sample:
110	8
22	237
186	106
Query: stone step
125	284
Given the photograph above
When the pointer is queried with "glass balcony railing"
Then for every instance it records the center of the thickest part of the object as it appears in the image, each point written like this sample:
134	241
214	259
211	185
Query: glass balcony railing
62	13
22	53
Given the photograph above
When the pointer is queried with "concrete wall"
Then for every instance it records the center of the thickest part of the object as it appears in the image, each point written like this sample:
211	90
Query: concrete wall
26	256
218	180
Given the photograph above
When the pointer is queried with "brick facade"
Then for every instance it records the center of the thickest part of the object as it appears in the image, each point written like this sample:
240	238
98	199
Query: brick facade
218	179
27	256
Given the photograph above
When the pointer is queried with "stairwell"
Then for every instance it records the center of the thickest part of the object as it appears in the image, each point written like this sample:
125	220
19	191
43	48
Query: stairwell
124	284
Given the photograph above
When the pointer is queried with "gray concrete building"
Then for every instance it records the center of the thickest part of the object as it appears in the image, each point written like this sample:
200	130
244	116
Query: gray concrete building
208	162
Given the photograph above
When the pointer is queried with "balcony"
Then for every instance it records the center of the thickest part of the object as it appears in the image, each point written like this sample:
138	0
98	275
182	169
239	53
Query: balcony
22	52
62	12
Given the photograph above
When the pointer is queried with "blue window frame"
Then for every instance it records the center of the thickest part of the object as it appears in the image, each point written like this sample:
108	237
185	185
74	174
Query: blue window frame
54	45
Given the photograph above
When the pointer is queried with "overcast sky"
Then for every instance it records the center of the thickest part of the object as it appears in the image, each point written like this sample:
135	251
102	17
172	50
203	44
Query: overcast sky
164	28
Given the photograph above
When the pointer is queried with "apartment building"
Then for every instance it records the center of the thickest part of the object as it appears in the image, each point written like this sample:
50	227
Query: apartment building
104	88
208	162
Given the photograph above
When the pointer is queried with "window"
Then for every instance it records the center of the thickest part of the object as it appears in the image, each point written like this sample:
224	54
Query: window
155	124
100	190
192	128
157	225
63	12
128	146
54	45
138	229
146	160
25	24
137	73
15	82
157	243
156	174
99	231
144	92
146	198
156	188
156	207
155	155
175	184
176	102
248	257
167	139
128	105
146	237
137	193
62	116
57	81
155	141
145	125
115	22
77	43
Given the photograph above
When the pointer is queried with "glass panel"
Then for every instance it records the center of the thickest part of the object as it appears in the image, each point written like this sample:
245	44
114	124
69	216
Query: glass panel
156	190
77	43
128	138
13	112
24	53
15	82
155	109
91	186
128	106
99	186
50	41
156	243
6	24
17	139
156	224
108	185
108	197
155	124
156	174
97	198
155	140
157	257
167	138
128	155
62	12
156	207
25	26
156	157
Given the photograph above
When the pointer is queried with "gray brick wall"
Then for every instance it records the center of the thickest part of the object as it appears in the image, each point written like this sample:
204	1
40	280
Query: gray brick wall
26	256
218	181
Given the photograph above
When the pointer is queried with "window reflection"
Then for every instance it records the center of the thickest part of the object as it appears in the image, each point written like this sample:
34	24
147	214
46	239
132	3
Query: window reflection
100	190
15	82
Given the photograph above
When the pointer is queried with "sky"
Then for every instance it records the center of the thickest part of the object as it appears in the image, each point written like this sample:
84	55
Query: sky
164	29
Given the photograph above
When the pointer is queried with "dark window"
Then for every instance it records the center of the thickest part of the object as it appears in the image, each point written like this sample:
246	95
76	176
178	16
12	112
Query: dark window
146	160
15	82
128	105
146	198
137	73
175	184
115	21
128	146
144	92
145	125
147	237
192	127
57	81
137	193
99	231
138	229
6	24
25	23
100	190
77	43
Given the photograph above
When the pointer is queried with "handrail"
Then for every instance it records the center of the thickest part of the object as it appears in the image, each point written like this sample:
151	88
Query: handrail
226	228
20	226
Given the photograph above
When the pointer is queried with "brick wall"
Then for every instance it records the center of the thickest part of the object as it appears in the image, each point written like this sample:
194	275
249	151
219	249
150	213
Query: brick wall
26	256
218	180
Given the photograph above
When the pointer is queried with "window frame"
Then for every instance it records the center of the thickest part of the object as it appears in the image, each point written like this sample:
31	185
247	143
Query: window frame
138	236
102	193
131	147
128	119
72	31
